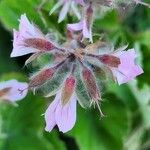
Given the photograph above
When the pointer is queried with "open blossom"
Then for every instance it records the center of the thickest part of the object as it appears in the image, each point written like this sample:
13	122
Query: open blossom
13	90
122	64
81	26
29	39
85	25
62	115
62	111
66	5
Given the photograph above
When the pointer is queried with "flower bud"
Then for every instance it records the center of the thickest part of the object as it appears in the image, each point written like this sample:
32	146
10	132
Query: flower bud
110	60
41	77
68	89
4	91
89	12
40	44
90	84
91	87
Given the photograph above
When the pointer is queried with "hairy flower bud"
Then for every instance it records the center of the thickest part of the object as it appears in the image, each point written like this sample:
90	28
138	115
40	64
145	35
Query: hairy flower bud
68	89
91	87
44	75
40	44
41	77
90	84
110	60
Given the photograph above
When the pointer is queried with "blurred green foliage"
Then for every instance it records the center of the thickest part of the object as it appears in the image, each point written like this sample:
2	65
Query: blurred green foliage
127	107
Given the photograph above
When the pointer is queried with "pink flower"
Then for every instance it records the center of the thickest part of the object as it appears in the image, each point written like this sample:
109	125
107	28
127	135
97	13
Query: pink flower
64	116
122	64
81	26
13	90
85	25
29	39
66	5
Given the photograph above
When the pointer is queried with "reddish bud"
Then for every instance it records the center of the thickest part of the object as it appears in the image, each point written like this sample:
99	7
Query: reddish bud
4	91
41	77
91	87
40	44
89	11
69	35
68	89
90	84
110	60
89	15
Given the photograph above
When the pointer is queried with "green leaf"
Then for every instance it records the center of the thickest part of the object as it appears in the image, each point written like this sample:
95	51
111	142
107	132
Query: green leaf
10	11
94	133
143	98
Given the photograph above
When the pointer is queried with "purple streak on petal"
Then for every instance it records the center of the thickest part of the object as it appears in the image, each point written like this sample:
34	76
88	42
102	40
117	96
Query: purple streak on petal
14	94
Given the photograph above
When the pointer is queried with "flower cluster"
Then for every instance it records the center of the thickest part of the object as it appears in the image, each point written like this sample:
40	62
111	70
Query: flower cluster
88	12
77	68
74	73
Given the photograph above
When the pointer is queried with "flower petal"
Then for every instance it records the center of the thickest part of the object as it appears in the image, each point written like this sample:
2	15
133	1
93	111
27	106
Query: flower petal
66	115
64	11
50	113
26	31
18	48
14	94
75	26
86	32
127	70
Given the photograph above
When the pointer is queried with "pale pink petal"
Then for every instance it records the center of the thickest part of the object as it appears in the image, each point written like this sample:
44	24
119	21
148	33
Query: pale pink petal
66	115
81	26
76	26
26	31
64	11
86	32
120	78
50	113
66	5
127	70
18	46
17	92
